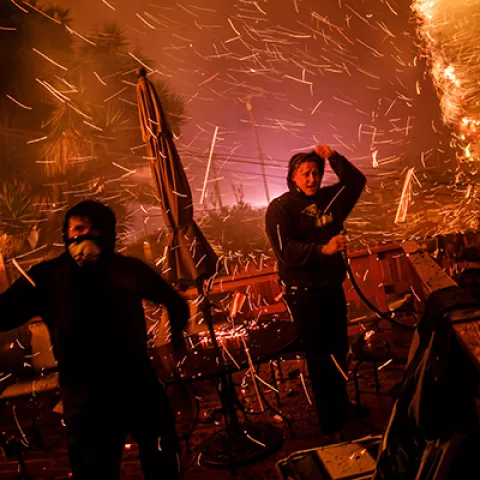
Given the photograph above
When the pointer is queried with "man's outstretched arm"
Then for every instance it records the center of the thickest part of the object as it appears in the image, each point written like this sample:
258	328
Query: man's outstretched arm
157	290
18	304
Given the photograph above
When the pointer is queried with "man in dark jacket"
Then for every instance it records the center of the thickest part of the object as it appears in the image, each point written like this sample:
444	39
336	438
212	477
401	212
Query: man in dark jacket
305	228
91	301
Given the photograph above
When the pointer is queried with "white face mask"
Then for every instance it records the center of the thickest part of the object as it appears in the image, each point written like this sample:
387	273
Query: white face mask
85	252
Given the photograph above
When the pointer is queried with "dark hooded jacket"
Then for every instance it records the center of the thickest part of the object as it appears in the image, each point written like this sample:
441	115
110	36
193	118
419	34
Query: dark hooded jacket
298	225
96	322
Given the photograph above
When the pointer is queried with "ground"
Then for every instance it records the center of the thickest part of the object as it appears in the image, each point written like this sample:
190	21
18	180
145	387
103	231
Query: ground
49	461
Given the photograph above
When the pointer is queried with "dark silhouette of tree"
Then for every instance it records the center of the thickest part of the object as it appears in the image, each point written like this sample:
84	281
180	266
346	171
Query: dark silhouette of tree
69	116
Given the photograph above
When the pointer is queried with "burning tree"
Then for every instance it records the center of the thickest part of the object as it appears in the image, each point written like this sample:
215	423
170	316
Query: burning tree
449	30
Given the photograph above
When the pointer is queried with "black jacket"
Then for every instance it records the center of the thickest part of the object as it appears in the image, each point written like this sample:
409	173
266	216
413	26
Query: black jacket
96	322
298	226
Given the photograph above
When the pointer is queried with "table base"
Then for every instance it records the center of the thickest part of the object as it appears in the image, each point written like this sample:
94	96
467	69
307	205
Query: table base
250	443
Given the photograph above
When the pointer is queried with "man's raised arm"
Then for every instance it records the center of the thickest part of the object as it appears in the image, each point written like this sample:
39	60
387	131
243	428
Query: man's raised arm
352	180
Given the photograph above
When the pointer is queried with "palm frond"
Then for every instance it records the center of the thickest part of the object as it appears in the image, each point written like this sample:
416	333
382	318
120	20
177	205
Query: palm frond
17	212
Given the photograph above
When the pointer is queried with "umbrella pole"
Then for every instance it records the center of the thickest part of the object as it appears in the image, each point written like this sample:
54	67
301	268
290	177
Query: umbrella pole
226	394
239	444
223	387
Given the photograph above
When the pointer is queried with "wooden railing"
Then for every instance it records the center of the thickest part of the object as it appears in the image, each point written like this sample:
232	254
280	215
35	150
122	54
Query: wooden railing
433	278
384	274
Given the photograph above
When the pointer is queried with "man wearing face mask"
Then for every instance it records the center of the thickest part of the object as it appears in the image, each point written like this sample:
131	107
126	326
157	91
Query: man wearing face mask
91	301
305	229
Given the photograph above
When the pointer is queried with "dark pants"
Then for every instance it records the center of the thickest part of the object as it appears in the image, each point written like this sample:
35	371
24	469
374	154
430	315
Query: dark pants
96	436
321	317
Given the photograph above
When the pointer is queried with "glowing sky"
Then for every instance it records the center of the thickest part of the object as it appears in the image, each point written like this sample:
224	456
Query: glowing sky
337	72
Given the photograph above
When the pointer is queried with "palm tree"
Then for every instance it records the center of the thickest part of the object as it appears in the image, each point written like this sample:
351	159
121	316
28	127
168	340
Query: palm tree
22	121
83	135
19	218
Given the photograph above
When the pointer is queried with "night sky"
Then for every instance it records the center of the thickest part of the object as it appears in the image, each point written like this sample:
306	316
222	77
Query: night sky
347	73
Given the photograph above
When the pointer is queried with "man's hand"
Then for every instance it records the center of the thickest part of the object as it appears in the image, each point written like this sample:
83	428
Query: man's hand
323	151
335	245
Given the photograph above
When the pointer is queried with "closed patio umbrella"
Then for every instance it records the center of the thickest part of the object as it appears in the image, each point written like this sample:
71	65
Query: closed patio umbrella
190	257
